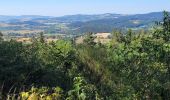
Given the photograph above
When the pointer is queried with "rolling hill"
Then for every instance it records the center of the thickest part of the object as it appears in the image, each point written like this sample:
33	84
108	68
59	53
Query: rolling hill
75	24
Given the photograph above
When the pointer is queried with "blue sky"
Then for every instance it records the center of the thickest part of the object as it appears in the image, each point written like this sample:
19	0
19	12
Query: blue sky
70	7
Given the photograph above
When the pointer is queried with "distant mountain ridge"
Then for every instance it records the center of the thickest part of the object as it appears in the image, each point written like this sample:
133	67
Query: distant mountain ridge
84	18
8	18
121	21
79	23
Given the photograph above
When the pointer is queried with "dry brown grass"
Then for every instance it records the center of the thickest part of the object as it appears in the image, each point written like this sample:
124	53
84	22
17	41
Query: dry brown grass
79	40
23	39
50	40
100	37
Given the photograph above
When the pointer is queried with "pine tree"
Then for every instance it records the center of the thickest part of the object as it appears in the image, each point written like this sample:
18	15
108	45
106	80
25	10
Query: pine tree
42	40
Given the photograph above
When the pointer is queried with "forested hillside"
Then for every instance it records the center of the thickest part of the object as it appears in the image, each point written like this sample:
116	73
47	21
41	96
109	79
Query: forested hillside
110	22
133	66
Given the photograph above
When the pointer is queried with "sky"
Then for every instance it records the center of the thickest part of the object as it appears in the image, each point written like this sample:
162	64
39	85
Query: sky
71	7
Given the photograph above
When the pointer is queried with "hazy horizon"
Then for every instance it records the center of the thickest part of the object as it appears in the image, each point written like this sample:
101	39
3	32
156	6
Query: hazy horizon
72	7
84	14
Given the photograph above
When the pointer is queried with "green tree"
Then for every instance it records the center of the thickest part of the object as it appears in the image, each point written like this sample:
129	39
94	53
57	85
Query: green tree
1	36
89	39
42	38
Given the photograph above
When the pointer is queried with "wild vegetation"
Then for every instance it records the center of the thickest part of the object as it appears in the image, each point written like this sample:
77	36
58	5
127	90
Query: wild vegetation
133	66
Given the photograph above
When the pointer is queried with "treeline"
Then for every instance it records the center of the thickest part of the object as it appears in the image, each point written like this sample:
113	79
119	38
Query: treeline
133	66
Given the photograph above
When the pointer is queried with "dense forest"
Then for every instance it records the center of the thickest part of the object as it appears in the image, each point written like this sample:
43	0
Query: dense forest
133	66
